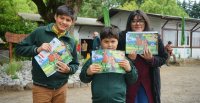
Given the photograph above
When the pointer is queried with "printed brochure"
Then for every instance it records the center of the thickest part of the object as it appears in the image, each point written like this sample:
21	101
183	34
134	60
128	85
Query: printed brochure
136	41
47	60
108	60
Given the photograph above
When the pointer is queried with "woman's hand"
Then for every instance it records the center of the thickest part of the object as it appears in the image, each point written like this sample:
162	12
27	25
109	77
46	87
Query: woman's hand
126	65
62	67
93	69
132	55
147	54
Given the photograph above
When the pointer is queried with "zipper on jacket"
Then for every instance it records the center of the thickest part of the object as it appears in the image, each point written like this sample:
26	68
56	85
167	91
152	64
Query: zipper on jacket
108	88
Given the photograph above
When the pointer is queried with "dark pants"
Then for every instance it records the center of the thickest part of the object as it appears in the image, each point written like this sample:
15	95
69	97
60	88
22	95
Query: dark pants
84	54
169	55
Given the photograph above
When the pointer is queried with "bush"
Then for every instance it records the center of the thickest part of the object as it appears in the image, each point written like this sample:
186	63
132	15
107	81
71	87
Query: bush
12	68
14	24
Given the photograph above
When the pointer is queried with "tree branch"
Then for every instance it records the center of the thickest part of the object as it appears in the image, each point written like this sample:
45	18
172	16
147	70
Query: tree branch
42	9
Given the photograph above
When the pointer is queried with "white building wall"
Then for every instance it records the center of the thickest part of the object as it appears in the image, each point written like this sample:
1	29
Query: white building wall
85	32
196	39
196	53
182	52
186	53
120	20
76	34
156	24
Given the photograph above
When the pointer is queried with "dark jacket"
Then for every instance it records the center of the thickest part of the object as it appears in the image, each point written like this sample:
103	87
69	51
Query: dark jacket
157	61
108	87
27	47
96	43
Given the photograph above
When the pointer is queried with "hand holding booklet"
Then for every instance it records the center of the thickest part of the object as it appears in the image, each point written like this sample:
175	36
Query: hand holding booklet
108	60
48	60
136	41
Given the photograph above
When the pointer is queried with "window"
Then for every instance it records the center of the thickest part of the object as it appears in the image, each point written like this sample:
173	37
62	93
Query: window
187	39
170	35
196	39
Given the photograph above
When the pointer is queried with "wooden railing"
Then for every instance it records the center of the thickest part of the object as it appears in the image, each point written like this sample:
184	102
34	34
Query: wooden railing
13	38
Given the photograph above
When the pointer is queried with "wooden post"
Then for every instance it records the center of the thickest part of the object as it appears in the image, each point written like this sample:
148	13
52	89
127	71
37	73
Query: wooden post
13	38
10	51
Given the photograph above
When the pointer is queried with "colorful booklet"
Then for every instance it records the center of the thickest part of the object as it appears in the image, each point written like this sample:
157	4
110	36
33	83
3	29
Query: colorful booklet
138	40
108	60
47	60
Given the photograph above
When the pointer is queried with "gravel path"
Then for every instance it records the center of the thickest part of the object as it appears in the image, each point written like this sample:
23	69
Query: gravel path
179	85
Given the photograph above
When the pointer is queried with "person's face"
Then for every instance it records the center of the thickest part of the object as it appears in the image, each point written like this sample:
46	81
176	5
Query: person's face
63	22
109	43
138	24
93	35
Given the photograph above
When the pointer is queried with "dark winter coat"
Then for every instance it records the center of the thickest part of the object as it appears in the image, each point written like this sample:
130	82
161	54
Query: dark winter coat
27	47
96	43
158	60
108	87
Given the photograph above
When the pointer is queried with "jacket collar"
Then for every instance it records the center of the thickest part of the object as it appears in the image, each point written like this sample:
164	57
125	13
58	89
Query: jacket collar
49	29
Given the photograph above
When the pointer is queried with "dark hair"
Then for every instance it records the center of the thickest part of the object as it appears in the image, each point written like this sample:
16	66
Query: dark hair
169	42
138	13
109	32
65	10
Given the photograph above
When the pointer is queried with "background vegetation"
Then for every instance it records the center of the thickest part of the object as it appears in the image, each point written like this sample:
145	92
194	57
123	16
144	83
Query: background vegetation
10	21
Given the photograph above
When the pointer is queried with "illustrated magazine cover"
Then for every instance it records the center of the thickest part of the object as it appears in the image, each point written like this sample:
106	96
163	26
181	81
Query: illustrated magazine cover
108	60
47	60
138	40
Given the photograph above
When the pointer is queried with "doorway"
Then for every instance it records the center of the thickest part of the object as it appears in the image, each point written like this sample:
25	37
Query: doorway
89	46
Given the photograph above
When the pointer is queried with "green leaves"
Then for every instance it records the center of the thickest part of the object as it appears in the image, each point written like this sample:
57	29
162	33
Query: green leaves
9	19
183	31
191	7
164	7
12	68
106	16
93	8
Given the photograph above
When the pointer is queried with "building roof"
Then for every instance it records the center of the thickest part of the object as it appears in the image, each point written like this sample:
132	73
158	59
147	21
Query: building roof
88	21
79	21
1	41
30	16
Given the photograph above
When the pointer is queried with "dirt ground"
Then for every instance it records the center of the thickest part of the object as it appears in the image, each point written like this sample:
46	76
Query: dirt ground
180	84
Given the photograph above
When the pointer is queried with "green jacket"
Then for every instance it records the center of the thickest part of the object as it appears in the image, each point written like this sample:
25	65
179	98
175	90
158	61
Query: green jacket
108	87
27	47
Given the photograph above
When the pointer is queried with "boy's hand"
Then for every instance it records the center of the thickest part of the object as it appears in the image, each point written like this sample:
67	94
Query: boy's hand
45	47
93	69
62	67
132	55
126	65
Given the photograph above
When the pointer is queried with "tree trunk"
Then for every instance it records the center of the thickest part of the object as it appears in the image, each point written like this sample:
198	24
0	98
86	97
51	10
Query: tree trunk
47	10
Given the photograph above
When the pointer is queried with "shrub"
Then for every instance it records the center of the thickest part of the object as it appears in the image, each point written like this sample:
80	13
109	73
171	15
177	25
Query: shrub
12	68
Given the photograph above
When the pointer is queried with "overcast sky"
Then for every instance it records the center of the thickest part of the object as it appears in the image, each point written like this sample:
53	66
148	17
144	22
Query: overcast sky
190	0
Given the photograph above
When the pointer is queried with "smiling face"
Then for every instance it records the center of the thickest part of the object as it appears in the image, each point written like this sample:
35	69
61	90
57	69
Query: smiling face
109	43
138	24
63	22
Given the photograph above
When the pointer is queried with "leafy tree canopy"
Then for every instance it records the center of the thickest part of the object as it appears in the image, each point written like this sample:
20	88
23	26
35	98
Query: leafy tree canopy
9	19
164	7
84	8
192	8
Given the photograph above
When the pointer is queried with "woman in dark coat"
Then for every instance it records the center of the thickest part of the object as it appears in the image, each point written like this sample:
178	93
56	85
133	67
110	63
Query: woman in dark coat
147	87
